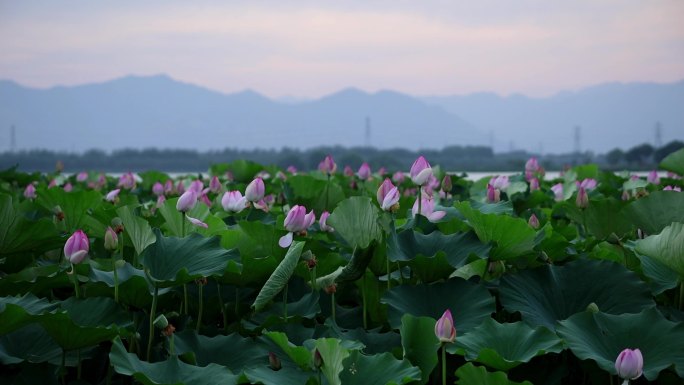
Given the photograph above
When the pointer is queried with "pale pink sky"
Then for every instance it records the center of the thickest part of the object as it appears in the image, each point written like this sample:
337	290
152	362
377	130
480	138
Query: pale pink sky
313	48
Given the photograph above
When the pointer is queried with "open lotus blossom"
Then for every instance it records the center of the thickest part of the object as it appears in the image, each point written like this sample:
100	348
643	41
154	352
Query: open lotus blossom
327	165
582	200
323	222
587	184
187	201
82	176
534	184
500	182
158	189
197	222
76	247
558	192
420	171
388	195
233	201
533	222
666	188
127	181
427	209
493	194
398	177
296	221
364	172
30	191
255	190
653	177
112	195
444	328
629	364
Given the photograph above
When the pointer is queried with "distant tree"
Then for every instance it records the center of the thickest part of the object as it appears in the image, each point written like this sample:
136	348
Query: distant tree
615	156
639	154
666	150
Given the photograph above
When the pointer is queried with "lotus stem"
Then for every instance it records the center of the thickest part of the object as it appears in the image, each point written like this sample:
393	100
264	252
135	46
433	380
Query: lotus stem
223	307
285	302
327	192
116	280
74	279
444	364
681	295
237	301
201	307
172	346
333	306
182	234
420	201
185	299
153	310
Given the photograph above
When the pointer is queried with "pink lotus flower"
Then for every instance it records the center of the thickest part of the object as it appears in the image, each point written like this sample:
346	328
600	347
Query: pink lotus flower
180	187
446	185
382	171
558	192
111	240
158	189
533	222
127	181
233	201
187	201
582	200
53	183
296	221
291	169
168	187
587	184
204	199
348	171
255	190
427	210
323	222
30	191
76	247
444	328
625	195
160	201
68	187
653	177
420	171
112	195
197	185
197	222
629	364
327	165
398	177
672	175
532	165
388	196
364	172
666	188
534	184
493	194
500	182
82	176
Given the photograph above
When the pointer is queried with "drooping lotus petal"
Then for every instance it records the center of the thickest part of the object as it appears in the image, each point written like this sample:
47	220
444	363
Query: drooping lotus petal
285	240
197	222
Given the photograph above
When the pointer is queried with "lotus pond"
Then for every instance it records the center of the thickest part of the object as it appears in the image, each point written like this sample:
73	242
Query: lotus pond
256	275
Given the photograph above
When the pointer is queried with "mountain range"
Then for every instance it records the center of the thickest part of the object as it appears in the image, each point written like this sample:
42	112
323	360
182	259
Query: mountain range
158	111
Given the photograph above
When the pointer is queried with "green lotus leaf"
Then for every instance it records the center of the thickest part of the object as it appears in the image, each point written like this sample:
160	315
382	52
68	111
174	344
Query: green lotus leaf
243	171
298	354
174	220
75	205
470	374
601	337
674	162
550	293
378	369
356	220
16	312
333	352
470	303
137	229
420	343
666	247
30	343
505	346
280	277
172	371
173	261
314	192
656	211
661	276
457	248
232	351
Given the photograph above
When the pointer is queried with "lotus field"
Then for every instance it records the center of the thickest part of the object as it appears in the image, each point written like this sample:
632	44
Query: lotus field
255	275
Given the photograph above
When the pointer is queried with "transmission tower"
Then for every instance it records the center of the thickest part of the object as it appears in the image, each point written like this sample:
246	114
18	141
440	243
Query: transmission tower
367	137
578	139
658	142
13	139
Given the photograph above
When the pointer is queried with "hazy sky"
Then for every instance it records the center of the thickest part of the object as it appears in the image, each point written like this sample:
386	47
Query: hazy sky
312	48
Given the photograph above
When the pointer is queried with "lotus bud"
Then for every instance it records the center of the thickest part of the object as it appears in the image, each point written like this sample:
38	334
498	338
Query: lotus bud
127	181
558	192
215	184
364	172
582	200
534	184
653	177
274	361
82	176
111	239
30	191
112	195
53	183
197	186
205	199
323	222
187	201
158	189
533	222
68	187
317	359
160	201
327	165
291	169
493	194
168	187
391	200
532	164
233	201
161	322
180	187
420	171
76	247
446	183
629	364
348	172
382	171
444	328
255	190
398	177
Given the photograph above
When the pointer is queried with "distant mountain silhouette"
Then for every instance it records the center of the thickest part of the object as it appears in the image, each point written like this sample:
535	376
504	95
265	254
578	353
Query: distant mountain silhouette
610	115
157	111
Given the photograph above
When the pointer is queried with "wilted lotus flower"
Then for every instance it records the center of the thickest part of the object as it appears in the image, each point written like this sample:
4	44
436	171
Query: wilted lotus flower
558	191
444	328
533	222
158	189
323	222
30	191
111	240
82	176
493	194
500	182
233	201
274	361
666	188
296	221
187	201
420	171
127	181
255	190
112	195
347	171
327	165
587	184
629	364
76	247
582	200
653	177
388	196
398	177
197	222
364	172
427	209
534	184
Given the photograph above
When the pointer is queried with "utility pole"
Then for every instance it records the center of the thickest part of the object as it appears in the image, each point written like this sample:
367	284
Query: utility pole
367	138
658	142
13	140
